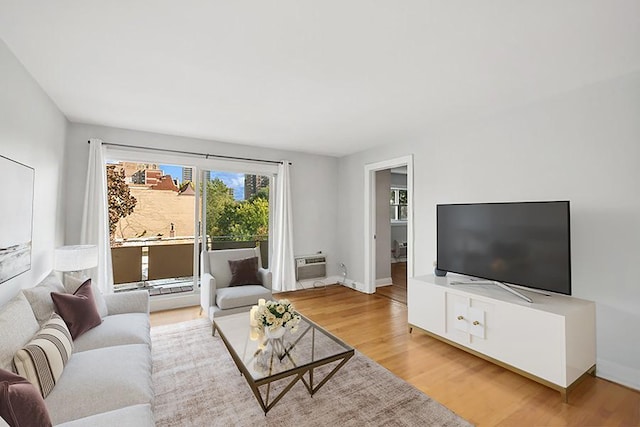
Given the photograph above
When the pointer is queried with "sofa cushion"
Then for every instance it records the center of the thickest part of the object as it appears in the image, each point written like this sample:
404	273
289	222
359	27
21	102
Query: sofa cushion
102	380
128	302
21	404
240	296
40	297
72	283
244	271
78	310
131	416
118	329
15	312
42	360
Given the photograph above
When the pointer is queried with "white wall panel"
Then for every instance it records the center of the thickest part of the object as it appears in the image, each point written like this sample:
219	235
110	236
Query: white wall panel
32	132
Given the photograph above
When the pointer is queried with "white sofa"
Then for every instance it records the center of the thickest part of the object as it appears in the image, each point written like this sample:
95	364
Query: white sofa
107	381
216	297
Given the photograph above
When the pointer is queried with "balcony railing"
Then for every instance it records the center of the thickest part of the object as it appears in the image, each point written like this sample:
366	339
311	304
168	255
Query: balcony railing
167	262
228	242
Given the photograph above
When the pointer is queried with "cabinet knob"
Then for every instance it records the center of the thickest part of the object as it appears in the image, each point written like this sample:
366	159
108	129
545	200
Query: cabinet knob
476	323
460	317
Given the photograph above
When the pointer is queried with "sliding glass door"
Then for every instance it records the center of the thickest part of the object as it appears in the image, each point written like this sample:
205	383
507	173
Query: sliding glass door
235	211
165	208
151	219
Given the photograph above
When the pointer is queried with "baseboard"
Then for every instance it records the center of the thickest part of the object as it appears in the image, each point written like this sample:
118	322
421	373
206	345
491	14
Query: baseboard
617	373
352	284
332	280
161	302
387	281
318	282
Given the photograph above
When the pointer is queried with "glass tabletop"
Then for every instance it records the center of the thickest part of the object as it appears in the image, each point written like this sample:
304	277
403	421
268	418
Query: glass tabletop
264	359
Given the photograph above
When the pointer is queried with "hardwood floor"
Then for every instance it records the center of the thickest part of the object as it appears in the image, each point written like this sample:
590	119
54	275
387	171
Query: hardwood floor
481	392
398	289
178	315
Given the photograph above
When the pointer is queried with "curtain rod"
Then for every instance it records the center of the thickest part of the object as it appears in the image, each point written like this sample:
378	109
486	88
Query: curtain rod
193	153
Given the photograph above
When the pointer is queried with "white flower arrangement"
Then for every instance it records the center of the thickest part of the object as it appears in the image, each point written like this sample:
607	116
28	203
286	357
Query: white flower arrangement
275	314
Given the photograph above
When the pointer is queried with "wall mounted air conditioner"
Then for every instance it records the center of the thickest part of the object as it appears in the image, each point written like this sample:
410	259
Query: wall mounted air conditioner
311	267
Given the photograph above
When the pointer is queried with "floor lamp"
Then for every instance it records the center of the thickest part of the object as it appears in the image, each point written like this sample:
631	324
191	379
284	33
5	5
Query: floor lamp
75	259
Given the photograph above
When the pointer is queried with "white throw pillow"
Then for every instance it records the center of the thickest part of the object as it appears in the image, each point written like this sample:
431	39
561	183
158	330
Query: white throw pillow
40	297
17	326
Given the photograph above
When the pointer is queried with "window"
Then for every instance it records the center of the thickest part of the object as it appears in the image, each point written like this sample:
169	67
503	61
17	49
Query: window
398	204
151	211
158	244
237	211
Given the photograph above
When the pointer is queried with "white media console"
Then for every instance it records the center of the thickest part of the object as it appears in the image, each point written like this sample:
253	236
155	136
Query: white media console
551	341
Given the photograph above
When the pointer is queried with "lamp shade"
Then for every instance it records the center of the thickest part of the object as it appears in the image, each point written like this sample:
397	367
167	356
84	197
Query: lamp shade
75	257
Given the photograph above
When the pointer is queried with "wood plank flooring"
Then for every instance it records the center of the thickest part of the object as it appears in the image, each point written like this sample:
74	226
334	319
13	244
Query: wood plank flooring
398	289
481	392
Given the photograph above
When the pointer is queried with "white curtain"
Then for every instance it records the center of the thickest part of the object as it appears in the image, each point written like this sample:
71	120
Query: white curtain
95	216
282	267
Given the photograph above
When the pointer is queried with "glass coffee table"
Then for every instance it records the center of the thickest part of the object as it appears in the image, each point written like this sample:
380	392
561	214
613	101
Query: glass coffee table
292	358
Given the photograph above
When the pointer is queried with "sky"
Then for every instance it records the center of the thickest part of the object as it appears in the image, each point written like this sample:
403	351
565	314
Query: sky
232	180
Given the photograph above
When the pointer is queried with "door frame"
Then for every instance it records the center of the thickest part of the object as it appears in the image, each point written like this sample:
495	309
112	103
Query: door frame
370	217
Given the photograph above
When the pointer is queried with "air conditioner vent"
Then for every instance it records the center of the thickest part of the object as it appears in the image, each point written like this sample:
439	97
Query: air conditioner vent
311	267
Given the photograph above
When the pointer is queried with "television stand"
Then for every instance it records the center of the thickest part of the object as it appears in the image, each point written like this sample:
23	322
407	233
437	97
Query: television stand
498	284
551	341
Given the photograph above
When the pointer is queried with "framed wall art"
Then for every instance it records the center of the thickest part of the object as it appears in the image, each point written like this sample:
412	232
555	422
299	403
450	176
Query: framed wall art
16	218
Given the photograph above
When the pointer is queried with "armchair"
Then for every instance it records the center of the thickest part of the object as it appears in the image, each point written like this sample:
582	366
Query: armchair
217	298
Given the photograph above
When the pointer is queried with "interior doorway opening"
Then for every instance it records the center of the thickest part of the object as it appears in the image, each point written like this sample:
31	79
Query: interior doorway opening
391	233
387	207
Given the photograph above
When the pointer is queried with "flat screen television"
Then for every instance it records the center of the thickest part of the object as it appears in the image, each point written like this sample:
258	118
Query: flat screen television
523	243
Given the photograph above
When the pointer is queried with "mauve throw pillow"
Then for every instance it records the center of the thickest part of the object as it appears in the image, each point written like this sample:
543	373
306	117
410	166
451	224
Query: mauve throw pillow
78	310
21	404
244	271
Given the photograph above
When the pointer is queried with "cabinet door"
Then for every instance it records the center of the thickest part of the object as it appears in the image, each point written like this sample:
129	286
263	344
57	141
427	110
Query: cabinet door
425	303
530	340
457	325
467	320
461	315
477	322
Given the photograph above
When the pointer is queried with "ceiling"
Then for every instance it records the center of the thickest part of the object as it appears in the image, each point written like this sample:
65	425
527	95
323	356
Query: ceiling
326	76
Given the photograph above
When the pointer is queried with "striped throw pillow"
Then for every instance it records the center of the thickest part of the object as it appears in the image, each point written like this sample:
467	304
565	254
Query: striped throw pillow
42	360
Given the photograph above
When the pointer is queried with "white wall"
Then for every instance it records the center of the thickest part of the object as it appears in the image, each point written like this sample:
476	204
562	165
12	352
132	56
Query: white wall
32	131
583	146
314	182
383	227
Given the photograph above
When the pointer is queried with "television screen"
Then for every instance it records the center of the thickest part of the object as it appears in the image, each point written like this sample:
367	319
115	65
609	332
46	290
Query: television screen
526	243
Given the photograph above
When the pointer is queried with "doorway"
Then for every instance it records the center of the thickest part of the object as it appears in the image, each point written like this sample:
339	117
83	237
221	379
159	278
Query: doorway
399	210
391	233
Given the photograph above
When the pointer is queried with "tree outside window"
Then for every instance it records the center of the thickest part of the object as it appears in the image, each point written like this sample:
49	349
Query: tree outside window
229	219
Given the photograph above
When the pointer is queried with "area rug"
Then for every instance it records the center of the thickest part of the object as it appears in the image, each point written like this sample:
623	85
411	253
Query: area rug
197	384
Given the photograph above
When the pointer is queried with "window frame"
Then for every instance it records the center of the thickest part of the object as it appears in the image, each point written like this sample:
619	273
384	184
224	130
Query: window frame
396	204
